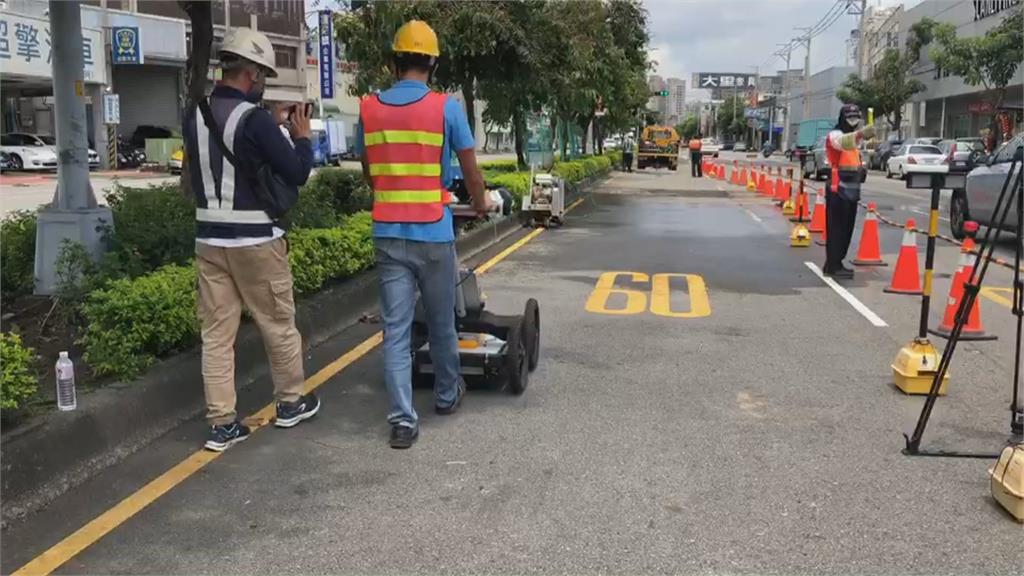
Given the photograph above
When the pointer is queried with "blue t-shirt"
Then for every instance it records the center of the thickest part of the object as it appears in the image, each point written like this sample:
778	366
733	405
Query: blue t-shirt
457	136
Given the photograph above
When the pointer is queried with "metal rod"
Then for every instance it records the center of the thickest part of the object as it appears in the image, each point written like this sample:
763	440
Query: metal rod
929	259
1016	405
971	288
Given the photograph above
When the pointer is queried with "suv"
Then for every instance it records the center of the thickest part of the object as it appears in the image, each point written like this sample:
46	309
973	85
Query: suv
880	157
984	183
815	164
958	152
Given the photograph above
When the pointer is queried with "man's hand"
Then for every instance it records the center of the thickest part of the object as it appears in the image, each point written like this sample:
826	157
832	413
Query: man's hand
299	127
482	204
868	132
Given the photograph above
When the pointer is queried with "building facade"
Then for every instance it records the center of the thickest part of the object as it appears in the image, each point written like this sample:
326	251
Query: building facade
948	107
881	33
676	105
820	101
657	103
150	85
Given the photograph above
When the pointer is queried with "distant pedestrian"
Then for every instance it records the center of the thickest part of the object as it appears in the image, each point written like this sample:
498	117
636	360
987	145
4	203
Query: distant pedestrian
628	144
843	149
695	145
241	253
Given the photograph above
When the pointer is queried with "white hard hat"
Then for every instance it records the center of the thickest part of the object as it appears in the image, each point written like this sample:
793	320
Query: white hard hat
252	45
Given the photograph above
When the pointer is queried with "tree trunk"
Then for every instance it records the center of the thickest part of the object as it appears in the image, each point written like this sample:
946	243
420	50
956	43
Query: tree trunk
468	98
517	134
201	17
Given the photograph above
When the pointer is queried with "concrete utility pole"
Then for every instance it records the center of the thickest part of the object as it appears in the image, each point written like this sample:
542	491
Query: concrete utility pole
806	41
73	215
862	38
788	51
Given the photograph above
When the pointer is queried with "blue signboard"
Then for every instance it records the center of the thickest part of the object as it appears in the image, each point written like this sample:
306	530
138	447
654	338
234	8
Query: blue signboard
125	45
326	55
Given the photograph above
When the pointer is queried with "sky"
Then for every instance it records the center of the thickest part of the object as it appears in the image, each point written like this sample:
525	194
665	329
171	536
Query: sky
689	36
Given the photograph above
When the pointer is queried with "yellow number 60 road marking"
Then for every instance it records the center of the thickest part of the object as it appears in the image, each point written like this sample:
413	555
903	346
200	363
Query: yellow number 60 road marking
661	295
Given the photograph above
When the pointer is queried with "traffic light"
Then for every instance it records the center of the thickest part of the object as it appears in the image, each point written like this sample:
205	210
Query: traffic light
663	93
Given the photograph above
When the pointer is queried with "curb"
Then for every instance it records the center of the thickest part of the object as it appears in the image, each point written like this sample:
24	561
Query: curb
58	451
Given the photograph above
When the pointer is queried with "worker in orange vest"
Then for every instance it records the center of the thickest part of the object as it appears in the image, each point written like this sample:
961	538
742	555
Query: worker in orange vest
407	136
843	149
696	170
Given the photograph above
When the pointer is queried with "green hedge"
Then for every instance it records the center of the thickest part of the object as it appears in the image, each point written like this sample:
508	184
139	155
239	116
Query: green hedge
518	183
329	196
130	322
500	166
320	255
17	381
17	255
153	227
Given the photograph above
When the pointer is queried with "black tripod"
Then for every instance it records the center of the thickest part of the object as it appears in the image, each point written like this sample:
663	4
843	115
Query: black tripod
1011	193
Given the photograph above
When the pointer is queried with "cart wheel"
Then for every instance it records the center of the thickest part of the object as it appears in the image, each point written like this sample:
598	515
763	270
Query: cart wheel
517	359
531	333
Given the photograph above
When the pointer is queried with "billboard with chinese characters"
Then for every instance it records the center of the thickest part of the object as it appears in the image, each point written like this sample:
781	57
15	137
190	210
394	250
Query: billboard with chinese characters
326	54
715	80
25	44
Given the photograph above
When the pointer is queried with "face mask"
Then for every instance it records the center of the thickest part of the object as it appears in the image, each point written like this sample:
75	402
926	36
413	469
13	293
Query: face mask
853	122
255	94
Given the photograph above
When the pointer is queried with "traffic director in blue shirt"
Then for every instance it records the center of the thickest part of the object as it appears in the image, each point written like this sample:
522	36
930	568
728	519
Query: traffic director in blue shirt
406	138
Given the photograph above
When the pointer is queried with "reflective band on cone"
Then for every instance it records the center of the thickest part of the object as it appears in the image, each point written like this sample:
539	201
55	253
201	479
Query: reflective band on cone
906	278
972	329
869	252
818	217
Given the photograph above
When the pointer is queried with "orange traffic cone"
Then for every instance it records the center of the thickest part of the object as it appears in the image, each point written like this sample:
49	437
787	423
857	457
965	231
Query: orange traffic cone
735	172
780	195
818	217
972	330
800	204
742	180
869	253
906	278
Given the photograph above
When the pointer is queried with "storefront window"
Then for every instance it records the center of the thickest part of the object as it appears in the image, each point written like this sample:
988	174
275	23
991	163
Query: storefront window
173	10
284	57
279	16
962	126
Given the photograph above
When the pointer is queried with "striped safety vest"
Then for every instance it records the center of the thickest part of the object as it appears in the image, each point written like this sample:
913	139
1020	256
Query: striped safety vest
842	160
403	150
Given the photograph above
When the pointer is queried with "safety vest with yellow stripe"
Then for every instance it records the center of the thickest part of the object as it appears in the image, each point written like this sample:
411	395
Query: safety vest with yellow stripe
404	144
844	158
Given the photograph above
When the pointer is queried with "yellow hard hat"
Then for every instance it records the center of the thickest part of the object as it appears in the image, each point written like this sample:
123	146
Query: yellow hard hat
417	37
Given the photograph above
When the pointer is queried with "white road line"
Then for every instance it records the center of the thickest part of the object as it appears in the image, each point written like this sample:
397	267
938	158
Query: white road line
754	216
925	213
850	298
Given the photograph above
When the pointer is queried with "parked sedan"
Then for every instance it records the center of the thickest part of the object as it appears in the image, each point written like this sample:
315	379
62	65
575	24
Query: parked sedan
740	147
916	158
27	151
984	183
958	152
880	157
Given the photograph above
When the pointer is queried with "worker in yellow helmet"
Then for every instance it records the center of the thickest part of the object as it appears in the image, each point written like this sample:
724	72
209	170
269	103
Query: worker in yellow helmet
406	137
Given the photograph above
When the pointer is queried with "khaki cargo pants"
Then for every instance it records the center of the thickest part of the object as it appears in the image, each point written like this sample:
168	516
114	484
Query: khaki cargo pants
258	277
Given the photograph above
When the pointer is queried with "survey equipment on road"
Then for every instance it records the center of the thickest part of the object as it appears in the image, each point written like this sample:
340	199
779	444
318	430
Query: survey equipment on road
1011	196
545	204
492	348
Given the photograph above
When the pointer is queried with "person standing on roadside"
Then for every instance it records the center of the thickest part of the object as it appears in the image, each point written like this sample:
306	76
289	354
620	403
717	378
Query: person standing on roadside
695	145
241	253
628	144
406	138
843	149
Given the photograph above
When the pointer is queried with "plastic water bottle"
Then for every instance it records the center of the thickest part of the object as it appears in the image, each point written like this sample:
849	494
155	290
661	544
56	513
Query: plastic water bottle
66	398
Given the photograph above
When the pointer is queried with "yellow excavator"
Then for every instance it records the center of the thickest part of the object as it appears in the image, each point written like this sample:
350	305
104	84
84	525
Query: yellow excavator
659	147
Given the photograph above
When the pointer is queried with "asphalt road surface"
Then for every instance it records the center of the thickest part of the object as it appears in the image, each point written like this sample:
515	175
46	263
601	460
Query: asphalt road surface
704	404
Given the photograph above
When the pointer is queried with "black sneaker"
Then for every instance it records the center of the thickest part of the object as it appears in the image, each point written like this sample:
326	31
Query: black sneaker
403	437
446	410
843	272
225	436
291	413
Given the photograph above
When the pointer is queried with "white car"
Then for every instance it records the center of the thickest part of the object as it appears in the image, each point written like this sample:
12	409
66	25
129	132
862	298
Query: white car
35	151
710	147
917	158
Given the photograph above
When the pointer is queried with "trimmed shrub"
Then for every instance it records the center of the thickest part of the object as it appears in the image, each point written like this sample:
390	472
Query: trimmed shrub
17	381
518	183
130	322
500	166
346	189
321	254
315	208
17	255
153	227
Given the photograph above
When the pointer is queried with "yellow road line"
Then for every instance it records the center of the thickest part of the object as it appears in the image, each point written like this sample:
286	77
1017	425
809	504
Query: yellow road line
994	295
103	524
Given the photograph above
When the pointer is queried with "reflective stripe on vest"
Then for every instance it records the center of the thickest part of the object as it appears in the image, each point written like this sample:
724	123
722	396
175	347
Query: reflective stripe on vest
404	146
841	160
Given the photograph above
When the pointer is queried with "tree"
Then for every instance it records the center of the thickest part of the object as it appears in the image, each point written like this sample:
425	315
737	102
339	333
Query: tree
200	15
990	61
688	128
731	120
887	91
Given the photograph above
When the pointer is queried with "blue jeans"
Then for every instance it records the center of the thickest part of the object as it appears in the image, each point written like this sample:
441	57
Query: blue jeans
404	266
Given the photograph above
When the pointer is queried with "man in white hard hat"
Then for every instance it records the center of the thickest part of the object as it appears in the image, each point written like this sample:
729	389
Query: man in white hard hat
245	175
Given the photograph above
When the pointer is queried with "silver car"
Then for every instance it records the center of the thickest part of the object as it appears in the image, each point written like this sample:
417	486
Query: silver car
984	183
816	165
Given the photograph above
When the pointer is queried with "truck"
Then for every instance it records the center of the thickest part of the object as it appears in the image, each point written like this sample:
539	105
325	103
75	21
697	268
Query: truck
659	146
328	138
809	132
